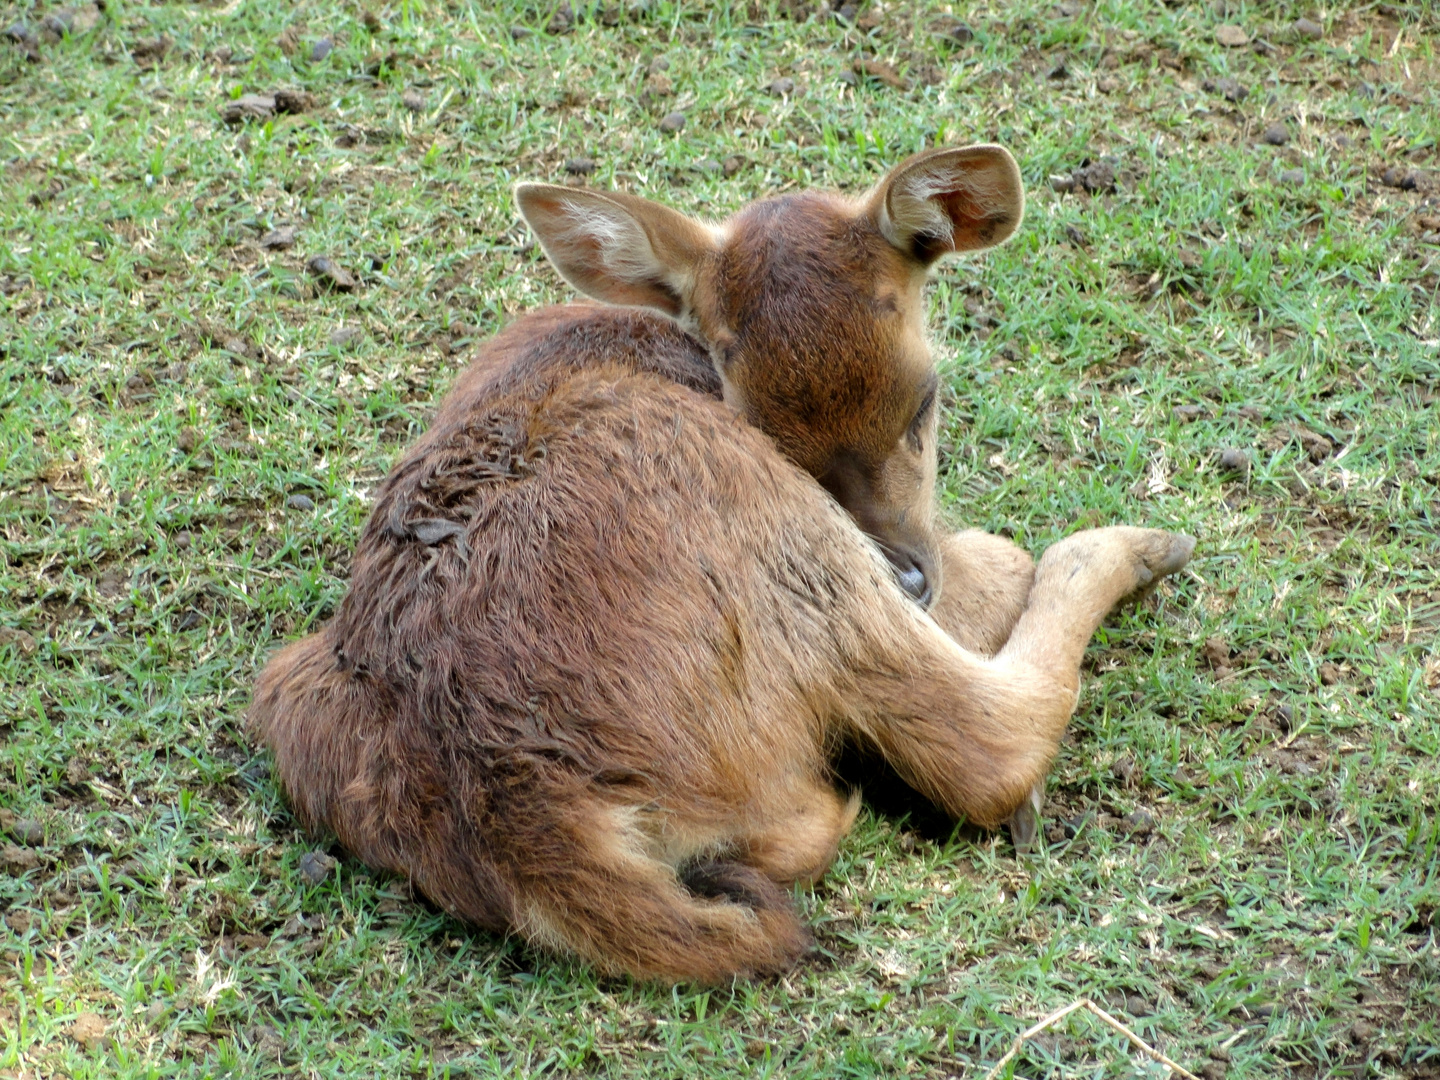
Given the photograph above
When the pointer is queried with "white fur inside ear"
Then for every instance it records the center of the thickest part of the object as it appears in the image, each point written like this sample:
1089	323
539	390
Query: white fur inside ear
912	209
624	249
973	197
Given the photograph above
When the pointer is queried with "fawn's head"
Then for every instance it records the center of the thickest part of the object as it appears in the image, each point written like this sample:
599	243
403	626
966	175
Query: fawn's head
811	306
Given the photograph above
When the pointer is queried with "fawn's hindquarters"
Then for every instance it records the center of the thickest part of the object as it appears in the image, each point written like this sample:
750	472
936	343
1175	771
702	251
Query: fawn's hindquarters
616	739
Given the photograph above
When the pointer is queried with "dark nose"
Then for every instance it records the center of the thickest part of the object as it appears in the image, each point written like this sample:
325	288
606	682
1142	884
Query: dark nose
911	578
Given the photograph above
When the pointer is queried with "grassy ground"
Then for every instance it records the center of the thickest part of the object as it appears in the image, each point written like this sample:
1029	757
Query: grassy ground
1242	858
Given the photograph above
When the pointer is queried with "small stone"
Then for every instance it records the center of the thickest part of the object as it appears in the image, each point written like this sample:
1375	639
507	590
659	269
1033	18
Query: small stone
1140	823
732	165
1276	134
279	239
1362	1032
59	22
1317	447
848	11
331	273
1231	36
782	86
1217	653
187	440
371	22
300	502
1292	177
1138	1007
1189	413
1227	87
294	101
1398	177
1076	237
321	49
849	78
959	32
20	33
345	336
154	1013
881	71
580	166
1285	718
1095	177
413	100
708	166
77	772
520	33
656	66
562	19
1307	29
1124	769
248	107
1234	460
658	85
1108	84
29	832
1329	674
148	52
315	867
672	123
88	1029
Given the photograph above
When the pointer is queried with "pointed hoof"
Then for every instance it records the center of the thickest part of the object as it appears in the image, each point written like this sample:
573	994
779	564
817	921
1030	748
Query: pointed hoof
1025	822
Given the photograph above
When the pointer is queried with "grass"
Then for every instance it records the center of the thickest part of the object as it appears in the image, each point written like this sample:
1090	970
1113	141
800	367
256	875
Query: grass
1242	856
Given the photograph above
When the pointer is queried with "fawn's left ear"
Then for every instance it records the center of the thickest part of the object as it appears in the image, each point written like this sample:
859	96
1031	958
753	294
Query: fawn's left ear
616	247
940	202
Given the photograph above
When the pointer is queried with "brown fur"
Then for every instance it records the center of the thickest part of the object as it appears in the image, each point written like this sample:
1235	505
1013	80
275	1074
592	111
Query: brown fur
605	632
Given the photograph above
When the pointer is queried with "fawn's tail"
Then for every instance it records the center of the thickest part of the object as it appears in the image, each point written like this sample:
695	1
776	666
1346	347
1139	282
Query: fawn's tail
598	896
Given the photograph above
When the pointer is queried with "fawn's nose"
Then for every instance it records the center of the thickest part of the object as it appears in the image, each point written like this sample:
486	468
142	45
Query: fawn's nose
911	578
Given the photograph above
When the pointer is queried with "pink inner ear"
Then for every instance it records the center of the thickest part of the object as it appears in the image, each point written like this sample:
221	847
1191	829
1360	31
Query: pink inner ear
974	224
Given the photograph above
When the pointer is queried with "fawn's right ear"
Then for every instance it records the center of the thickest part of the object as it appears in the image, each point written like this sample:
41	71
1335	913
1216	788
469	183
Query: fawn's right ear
950	200
616	247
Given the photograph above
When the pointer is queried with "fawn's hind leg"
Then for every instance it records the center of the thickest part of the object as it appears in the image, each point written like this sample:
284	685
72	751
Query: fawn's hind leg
975	735
800	840
985	585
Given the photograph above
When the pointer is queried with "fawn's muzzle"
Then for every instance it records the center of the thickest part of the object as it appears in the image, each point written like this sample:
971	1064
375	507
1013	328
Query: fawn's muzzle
910	577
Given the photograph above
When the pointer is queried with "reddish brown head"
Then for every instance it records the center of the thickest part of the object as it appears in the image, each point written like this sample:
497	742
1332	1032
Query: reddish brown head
811	306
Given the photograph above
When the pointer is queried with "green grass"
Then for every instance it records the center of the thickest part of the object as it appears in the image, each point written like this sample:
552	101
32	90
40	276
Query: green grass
167	385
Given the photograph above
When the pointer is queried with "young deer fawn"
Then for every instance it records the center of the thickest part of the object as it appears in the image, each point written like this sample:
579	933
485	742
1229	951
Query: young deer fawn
615	613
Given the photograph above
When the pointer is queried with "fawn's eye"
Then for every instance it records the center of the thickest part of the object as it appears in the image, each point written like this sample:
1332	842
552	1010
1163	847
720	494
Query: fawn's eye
922	416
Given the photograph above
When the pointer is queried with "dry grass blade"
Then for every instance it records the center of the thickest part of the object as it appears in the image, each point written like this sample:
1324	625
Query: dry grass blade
1075	1006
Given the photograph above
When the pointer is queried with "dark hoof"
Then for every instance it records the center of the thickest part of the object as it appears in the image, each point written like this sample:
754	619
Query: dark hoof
1025	822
